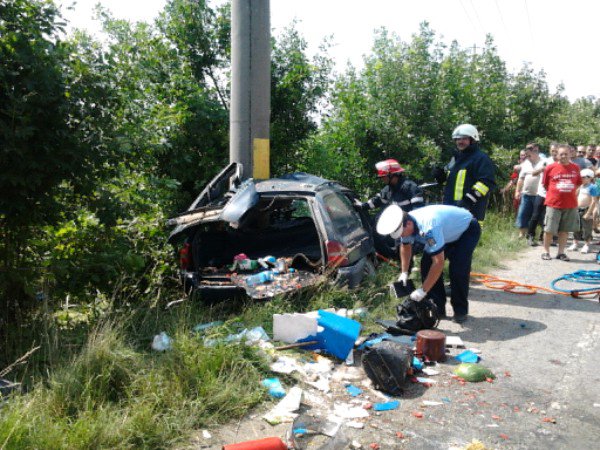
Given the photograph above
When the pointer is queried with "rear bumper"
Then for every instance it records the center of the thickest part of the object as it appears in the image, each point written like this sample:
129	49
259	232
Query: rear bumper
352	276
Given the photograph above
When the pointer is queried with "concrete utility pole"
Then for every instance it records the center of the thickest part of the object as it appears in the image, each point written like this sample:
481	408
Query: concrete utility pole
250	86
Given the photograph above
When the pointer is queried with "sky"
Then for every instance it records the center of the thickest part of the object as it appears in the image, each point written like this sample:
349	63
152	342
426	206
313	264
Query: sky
557	36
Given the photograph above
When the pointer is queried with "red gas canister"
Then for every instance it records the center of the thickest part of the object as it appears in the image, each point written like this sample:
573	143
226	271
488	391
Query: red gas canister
431	344
271	443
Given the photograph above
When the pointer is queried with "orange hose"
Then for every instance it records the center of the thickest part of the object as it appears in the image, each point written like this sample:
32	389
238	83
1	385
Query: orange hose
509	285
493	282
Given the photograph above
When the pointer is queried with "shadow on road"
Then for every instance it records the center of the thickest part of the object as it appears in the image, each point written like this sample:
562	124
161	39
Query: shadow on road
496	328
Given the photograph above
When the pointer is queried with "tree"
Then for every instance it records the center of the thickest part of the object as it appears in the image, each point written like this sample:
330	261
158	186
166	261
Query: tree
298	87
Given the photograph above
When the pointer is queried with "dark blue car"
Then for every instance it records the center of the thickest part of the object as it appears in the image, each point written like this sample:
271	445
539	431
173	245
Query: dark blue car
304	220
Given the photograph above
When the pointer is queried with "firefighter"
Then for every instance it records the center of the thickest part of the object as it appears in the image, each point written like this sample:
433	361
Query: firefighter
447	232
471	173
398	189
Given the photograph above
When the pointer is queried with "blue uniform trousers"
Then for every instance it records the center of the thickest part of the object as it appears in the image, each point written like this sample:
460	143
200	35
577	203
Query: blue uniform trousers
459	254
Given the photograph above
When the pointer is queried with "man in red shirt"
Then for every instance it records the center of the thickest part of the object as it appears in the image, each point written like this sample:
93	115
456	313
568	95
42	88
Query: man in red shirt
561	180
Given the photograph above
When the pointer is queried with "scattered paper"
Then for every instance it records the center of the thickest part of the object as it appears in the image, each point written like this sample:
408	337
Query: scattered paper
454	341
429	371
431	403
426	380
345	411
285	364
284	411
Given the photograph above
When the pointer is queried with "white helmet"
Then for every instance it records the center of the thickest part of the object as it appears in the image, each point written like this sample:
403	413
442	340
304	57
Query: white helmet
466	129
390	221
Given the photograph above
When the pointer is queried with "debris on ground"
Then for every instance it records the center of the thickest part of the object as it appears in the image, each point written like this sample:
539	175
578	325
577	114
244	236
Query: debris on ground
161	342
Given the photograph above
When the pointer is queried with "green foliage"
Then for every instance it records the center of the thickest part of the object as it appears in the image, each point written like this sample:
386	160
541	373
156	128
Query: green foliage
298	87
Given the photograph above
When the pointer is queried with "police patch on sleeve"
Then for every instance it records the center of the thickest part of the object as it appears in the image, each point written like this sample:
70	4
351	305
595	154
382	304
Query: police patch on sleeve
429	239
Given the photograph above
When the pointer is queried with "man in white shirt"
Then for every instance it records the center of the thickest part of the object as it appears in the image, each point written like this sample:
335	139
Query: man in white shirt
539	209
527	186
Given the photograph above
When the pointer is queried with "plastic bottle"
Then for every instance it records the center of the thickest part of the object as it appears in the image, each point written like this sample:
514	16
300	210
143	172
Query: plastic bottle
260	278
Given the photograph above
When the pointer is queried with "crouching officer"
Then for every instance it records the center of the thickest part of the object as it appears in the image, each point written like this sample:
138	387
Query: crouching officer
471	175
447	232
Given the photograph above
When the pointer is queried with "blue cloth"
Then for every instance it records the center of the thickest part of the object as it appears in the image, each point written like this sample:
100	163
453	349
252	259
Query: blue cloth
387	406
467	357
437	225
592	189
525	210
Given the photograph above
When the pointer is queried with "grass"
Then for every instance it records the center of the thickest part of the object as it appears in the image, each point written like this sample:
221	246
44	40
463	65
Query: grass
113	391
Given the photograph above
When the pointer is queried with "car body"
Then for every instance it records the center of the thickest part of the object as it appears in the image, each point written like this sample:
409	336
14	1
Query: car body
305	220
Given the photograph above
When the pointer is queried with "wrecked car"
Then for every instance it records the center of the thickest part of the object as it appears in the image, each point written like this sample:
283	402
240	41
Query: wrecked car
296	229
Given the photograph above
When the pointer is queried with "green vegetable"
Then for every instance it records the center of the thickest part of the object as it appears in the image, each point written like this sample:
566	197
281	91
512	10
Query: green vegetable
473	372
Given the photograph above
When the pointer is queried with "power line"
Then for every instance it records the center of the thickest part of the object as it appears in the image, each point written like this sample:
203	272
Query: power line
480	23
501	17
467	14
529	22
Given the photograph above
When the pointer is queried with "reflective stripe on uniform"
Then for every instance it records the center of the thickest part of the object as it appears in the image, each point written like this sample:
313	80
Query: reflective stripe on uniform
416	200
480	187
402	203
459	186
371	204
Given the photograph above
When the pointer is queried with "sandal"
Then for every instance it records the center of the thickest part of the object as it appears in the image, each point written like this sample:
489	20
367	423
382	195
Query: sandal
547	257
563	257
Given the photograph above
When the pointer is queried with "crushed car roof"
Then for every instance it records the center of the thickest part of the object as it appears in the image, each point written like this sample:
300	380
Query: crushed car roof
296	182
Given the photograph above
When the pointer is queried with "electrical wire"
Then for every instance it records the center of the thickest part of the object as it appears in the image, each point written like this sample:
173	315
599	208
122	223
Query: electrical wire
529	22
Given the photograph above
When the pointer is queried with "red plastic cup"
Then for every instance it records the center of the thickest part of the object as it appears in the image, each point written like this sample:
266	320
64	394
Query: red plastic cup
272	443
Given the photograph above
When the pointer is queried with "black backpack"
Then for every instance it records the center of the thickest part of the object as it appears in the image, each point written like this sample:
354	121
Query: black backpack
414	316
387	364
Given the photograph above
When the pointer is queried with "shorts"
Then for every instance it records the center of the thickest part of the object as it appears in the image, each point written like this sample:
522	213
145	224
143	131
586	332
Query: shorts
561	220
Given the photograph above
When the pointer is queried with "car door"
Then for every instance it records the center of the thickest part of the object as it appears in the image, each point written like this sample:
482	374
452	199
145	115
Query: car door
345	228
225	198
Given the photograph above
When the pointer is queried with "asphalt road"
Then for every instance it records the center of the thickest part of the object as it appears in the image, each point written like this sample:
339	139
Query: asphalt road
543	349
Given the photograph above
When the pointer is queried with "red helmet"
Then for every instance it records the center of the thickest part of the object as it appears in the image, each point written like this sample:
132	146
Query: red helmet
388	167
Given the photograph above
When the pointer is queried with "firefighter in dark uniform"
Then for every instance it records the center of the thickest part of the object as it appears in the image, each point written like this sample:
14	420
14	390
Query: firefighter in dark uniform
471	173
398	190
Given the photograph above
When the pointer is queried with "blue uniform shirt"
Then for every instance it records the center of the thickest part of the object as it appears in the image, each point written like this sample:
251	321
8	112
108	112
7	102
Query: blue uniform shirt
437	225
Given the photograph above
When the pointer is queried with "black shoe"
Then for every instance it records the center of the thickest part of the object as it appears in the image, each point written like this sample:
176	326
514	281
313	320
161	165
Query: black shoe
460	318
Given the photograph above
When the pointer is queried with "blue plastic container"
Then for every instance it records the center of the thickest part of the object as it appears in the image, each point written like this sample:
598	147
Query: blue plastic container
338	335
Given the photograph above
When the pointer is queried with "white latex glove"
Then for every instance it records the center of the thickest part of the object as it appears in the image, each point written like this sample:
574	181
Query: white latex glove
403	278
418	294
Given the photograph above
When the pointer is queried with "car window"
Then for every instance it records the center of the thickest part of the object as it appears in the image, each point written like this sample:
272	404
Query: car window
300	208
343	216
